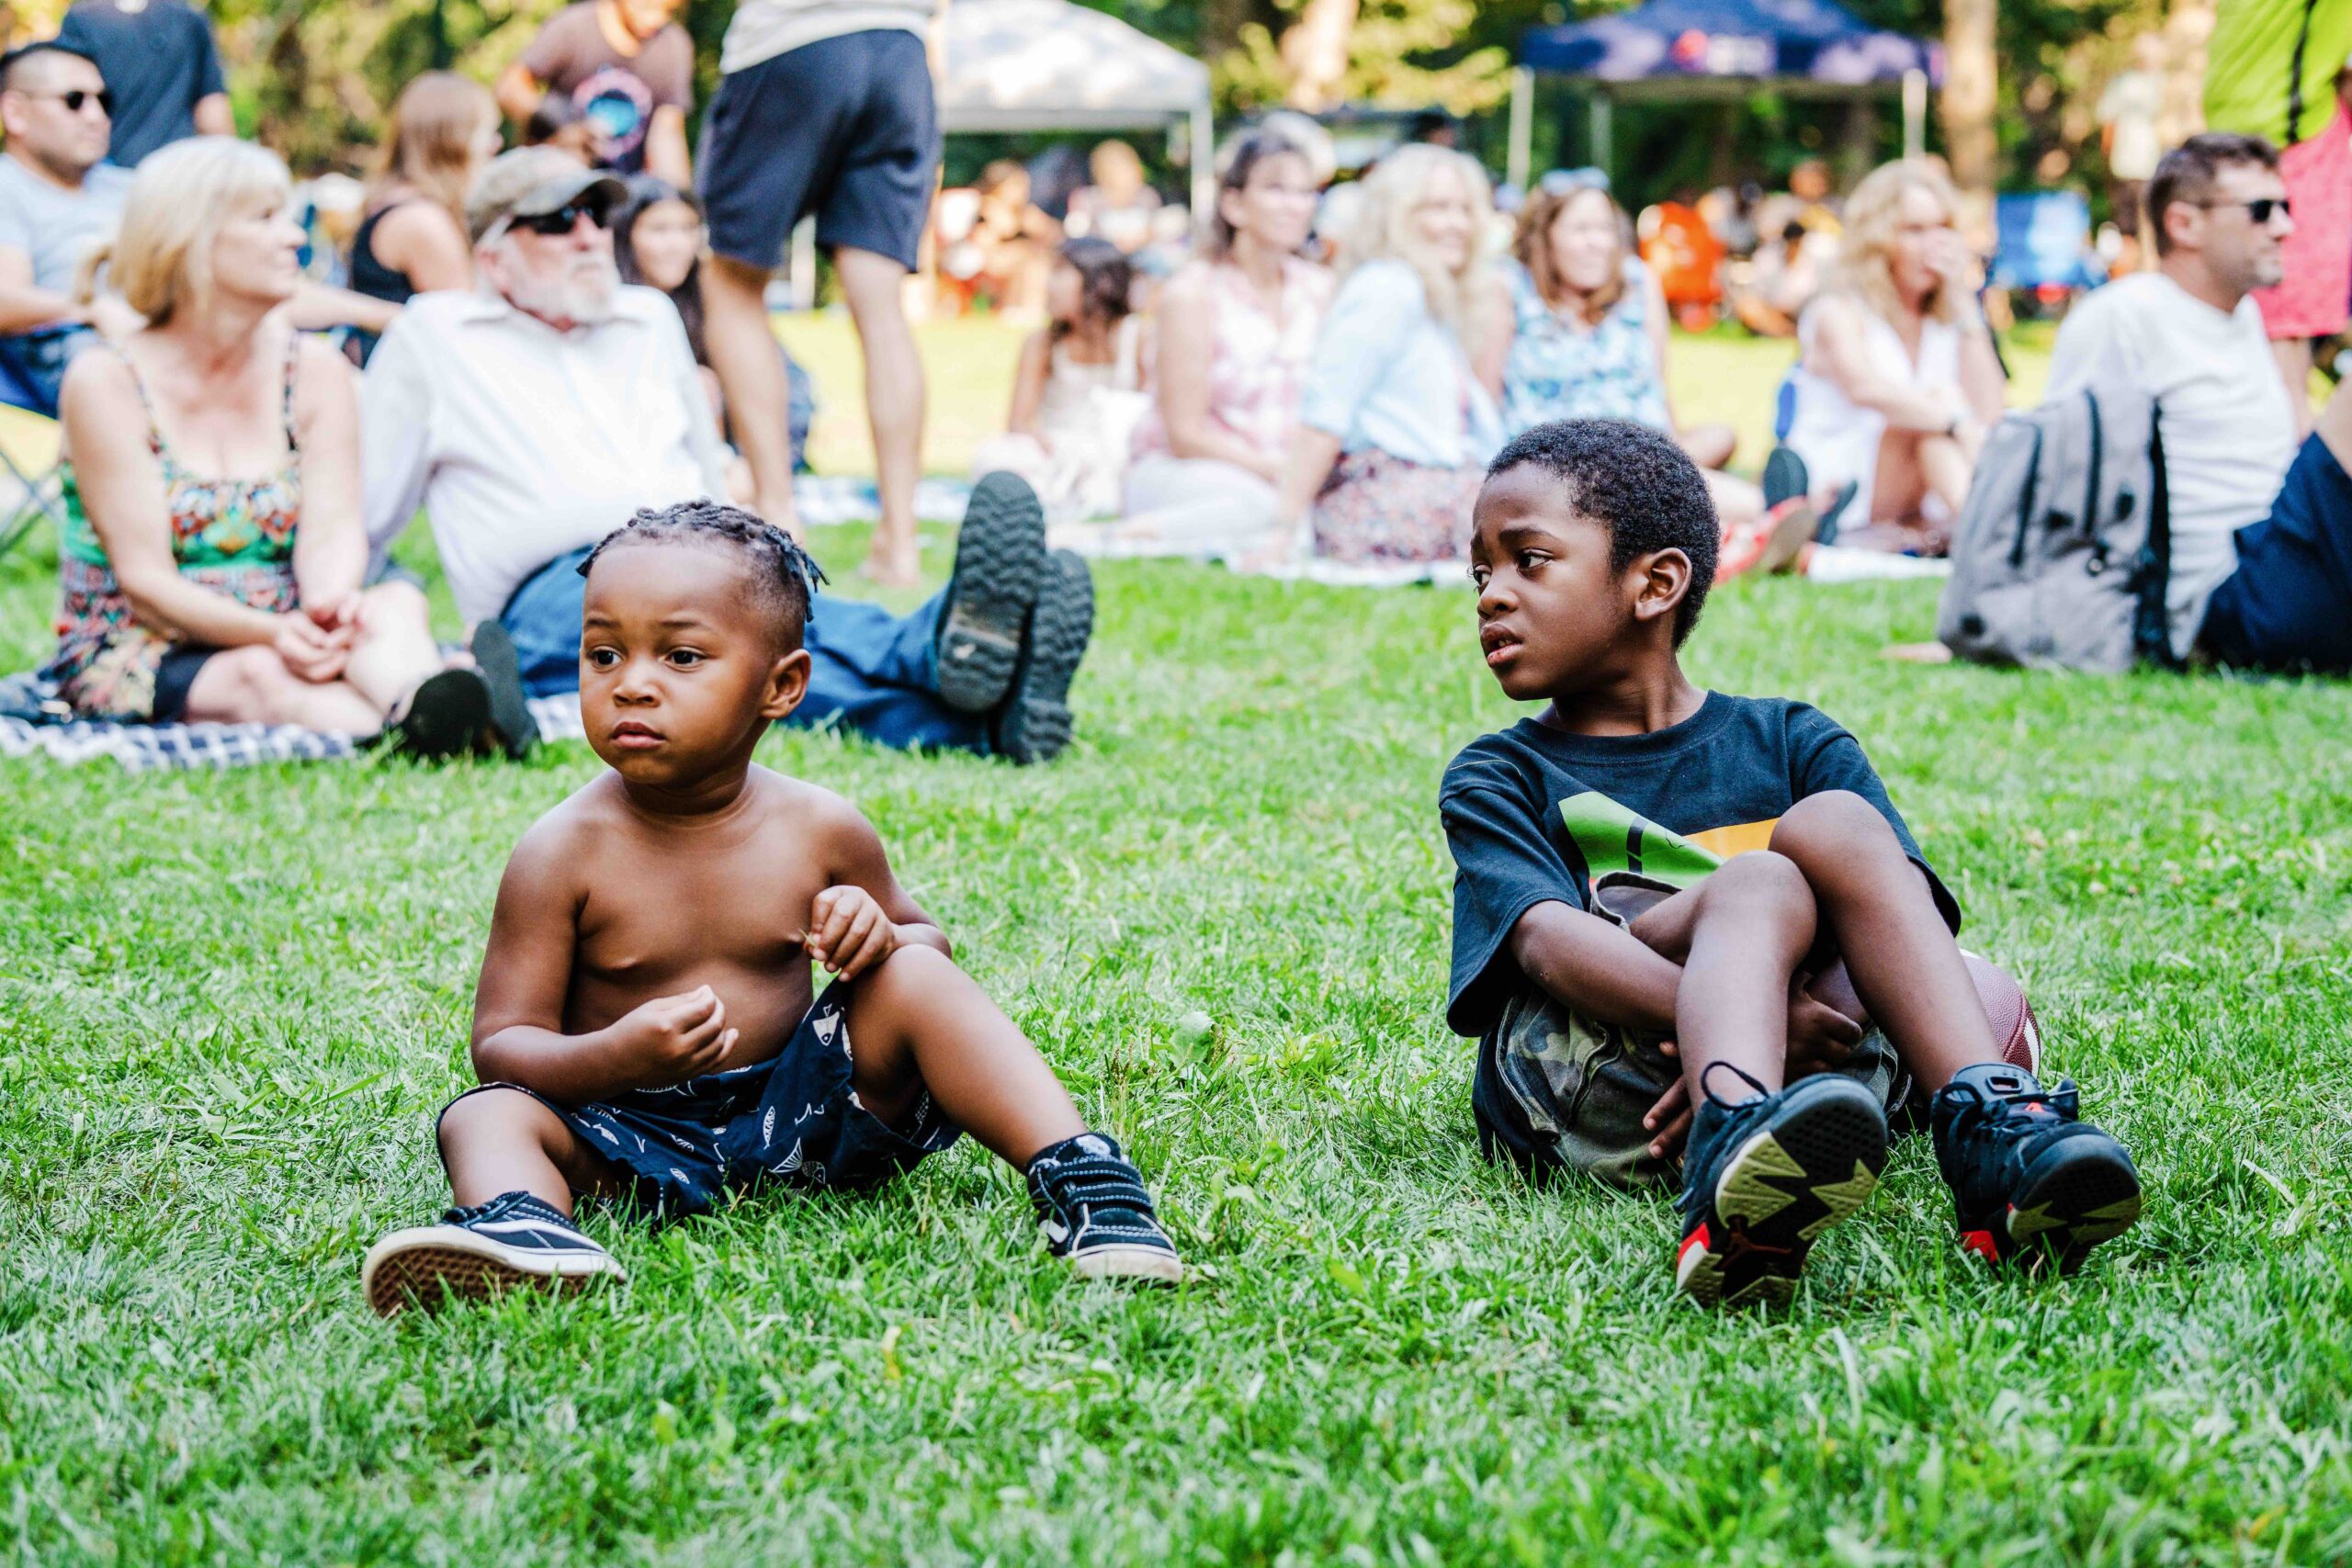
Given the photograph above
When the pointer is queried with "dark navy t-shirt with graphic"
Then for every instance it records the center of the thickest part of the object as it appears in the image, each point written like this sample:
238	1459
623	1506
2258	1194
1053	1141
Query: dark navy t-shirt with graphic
1533	814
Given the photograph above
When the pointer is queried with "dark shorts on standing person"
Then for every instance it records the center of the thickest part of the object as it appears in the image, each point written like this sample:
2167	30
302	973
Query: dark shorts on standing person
845	128
792	1120
2289	605
1556	1092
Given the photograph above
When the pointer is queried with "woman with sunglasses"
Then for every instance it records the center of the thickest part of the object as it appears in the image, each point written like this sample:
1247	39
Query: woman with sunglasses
213	561
1898	381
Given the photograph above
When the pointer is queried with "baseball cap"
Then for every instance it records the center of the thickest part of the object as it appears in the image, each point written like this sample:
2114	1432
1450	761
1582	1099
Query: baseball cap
531	182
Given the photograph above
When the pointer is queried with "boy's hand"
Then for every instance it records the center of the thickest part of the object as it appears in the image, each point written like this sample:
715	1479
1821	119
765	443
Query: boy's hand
672	1039
1820	1037
848	932
1669	1122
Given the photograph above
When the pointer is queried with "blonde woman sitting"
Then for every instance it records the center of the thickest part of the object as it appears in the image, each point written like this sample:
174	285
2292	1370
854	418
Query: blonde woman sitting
212	556
1394	425
1898	381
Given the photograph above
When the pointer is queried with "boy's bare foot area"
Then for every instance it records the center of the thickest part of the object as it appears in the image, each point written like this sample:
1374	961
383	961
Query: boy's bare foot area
625	1040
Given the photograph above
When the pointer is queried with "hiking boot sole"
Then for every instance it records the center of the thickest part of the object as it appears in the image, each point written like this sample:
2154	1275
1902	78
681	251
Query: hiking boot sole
2084	1192
427	1266
511	723
1812	1166
1035	724
1000	561
446	718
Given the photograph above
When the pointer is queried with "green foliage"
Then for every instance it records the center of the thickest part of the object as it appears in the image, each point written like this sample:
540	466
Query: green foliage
230	1005
1401	55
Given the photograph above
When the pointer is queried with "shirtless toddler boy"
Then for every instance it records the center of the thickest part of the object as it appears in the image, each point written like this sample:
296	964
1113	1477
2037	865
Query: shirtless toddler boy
645	1027
1649	873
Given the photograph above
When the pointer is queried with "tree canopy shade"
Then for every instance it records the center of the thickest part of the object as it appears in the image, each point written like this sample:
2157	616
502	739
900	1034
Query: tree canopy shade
1788	42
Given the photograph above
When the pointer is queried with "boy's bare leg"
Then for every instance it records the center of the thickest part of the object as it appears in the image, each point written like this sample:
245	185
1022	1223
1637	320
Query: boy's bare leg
917	1022
1740	937
1875	907
502	1140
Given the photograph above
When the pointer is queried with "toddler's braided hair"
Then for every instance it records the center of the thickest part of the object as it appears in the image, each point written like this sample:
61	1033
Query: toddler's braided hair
787	577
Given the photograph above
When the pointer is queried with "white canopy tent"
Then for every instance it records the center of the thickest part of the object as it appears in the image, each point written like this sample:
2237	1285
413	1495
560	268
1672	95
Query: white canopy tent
1034	65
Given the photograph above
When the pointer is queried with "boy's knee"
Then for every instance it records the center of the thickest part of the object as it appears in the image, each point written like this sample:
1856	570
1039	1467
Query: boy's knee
490	1114
1759	881
912	969
1830	830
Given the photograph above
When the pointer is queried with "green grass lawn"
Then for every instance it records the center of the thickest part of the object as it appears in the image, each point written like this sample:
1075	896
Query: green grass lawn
230	1005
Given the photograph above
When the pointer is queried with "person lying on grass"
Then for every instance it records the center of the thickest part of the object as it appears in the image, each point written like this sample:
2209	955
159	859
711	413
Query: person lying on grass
645	1028
1649	873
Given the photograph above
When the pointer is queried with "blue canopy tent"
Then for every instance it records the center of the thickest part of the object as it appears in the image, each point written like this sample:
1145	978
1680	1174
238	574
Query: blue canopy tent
1717	50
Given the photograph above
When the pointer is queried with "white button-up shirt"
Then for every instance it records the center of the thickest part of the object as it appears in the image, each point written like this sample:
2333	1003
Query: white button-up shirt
523	442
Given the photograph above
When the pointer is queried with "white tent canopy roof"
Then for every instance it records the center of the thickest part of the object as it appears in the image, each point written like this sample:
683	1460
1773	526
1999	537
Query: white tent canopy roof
1027	65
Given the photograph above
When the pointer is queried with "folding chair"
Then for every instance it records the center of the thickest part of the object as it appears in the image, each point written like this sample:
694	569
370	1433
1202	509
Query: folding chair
27	420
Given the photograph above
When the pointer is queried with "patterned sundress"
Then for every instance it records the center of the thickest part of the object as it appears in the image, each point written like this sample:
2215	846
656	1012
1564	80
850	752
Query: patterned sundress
1563	369
234	537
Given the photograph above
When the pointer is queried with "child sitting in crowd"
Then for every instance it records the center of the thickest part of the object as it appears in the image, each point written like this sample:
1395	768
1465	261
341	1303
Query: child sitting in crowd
645	1028
1076	393
1647	872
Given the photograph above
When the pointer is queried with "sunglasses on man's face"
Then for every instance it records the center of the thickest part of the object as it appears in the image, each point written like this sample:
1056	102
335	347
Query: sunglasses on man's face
554	225
73	98
2262	209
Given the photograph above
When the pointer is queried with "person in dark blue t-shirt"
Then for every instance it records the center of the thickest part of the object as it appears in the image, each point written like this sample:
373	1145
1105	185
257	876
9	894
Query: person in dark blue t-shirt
1649	877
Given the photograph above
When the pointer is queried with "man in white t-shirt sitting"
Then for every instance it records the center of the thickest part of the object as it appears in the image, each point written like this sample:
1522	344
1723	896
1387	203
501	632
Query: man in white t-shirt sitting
530	418
2261	529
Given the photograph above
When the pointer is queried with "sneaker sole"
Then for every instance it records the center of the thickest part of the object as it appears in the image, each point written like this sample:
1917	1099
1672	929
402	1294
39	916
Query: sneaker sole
1791	532
1792	1180
1000	563
1784	476
510	708
423	1268
1036	724
446	718
1128	1263
2072	1199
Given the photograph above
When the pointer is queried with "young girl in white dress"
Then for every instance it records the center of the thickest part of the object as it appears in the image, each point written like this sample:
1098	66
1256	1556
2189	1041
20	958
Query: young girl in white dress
1078	392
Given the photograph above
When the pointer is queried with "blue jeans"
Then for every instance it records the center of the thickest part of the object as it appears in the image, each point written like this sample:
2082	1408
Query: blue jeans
2289	605
869	671
32	366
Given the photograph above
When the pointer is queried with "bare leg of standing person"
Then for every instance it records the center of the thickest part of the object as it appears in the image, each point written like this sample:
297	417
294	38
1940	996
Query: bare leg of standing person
750	372
875	286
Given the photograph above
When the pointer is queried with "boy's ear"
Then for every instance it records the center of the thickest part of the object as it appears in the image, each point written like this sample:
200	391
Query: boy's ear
787	683
1660	581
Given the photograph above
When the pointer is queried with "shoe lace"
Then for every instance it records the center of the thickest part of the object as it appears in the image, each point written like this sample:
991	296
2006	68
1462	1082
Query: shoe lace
1707	1088
2018	1115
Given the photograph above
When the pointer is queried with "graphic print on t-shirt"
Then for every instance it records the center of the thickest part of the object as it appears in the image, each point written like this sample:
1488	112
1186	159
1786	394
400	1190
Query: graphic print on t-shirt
1612	838
618	104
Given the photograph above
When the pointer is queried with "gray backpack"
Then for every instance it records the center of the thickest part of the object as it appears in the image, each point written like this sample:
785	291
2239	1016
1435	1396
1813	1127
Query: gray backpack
2063	549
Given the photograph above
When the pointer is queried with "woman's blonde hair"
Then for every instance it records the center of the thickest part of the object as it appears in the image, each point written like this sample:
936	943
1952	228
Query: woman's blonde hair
1530	242
161	256
429	144
1872	215
1383	229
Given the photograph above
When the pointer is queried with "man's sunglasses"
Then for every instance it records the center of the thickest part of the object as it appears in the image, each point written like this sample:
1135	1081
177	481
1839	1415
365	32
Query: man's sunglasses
74	97
552	225
2260	210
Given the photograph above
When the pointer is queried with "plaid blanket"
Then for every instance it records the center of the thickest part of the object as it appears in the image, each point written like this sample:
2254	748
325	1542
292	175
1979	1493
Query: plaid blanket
33	723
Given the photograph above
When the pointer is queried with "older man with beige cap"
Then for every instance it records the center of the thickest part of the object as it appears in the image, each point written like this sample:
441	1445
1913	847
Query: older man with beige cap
530	417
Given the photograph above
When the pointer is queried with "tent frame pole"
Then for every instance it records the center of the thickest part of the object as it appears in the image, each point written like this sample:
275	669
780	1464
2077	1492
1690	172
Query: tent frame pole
1519	163
1604	117
1204	137
1915	114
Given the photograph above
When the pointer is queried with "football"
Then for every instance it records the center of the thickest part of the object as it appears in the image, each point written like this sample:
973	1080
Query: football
2006	1007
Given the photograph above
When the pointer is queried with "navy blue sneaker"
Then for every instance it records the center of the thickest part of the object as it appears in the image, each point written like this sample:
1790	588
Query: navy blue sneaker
999	567
2032	1181
1766	1176
1096	1216
514	1239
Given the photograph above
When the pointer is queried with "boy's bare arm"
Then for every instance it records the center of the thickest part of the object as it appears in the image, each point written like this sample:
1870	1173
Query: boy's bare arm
863	913
1601	971
527	974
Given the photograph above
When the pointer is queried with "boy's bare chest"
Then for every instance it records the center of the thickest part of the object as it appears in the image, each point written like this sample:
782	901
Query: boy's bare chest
692	912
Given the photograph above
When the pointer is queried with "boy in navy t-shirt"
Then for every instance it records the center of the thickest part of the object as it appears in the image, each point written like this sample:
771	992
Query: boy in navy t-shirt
1649	873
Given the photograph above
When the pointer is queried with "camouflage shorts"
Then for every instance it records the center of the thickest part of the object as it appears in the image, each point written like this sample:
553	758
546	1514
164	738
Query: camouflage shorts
1555	1091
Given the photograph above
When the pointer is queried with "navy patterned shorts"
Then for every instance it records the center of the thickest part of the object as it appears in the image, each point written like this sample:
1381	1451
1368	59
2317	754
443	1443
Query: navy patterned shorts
791	1121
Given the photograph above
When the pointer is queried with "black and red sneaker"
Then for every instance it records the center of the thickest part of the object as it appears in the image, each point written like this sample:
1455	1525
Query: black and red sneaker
1766	1176
2032	1181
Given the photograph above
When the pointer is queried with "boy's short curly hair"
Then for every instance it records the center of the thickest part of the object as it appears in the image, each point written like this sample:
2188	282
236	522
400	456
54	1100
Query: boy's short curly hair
1637	483
786	577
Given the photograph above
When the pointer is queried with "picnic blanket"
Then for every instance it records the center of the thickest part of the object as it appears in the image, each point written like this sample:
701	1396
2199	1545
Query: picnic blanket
34	723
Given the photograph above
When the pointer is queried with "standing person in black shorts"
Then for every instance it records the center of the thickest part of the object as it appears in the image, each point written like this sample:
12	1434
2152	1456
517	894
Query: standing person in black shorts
824	107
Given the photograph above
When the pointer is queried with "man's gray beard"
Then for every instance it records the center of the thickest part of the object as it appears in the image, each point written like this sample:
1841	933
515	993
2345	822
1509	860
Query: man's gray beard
572	297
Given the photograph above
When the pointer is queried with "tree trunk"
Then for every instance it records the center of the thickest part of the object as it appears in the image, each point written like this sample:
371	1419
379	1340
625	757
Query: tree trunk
1314	49
1971	53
